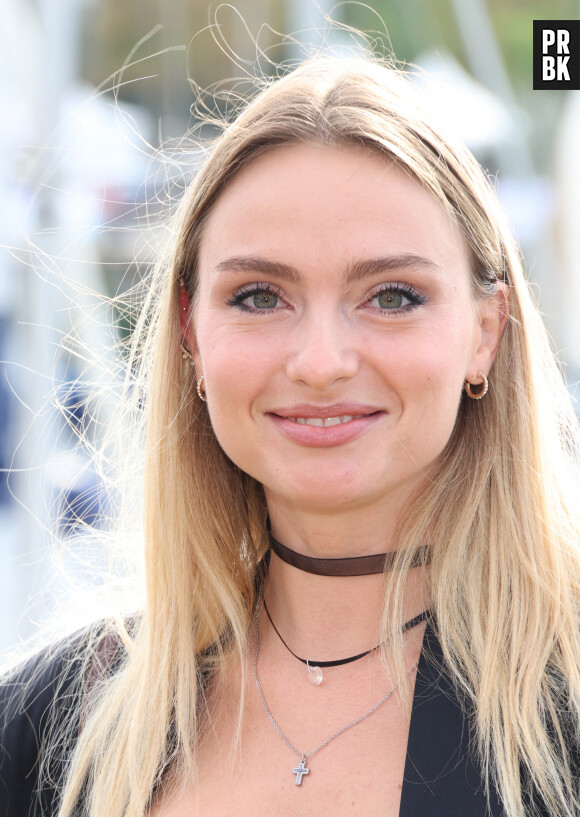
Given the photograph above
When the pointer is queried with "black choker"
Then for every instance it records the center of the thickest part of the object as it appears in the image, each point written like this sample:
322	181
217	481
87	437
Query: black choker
350	566
408	625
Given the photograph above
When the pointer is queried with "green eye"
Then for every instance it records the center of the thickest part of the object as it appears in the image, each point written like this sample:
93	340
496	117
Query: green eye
264	300
258	297
390	300
398	298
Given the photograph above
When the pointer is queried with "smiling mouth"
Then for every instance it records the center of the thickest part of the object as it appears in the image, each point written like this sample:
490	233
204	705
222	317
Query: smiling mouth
326	422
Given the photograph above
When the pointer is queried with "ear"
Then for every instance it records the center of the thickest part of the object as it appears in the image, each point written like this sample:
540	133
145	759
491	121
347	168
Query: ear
186	323
493	315
184	309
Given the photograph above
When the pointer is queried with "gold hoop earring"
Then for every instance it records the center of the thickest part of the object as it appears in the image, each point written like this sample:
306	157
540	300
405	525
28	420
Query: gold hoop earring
186	355
484	384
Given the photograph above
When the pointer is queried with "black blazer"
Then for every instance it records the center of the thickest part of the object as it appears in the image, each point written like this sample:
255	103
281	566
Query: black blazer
442	776
39	695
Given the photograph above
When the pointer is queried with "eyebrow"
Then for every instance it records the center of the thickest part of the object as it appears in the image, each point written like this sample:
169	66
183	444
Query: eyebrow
356	270
242	263
359	270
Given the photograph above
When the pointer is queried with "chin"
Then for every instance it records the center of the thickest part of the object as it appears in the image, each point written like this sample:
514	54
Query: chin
319	492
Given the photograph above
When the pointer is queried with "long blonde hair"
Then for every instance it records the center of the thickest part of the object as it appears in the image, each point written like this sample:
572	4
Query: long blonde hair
499	513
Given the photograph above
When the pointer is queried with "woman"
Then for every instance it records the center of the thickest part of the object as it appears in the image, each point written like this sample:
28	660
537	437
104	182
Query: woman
345	365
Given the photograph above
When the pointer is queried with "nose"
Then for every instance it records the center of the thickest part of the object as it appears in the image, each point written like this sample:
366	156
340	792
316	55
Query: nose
323	352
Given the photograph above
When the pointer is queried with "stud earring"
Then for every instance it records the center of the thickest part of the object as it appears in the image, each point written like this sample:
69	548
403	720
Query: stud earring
186	351
184	302
477	395
201	389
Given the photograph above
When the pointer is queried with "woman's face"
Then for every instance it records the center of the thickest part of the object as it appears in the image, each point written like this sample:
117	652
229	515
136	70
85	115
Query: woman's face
335	326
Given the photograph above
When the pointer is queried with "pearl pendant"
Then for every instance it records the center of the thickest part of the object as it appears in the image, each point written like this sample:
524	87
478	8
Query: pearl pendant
315	675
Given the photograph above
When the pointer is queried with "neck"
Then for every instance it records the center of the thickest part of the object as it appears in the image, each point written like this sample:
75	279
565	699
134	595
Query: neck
334	533
315	612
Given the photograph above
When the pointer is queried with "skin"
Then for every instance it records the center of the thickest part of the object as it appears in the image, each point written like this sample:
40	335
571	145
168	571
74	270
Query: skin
399	342
325	341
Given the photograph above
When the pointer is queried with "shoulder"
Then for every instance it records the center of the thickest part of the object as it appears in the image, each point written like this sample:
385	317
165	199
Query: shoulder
40	702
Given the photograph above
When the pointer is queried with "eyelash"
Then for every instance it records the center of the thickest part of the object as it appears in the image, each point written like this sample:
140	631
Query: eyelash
395	288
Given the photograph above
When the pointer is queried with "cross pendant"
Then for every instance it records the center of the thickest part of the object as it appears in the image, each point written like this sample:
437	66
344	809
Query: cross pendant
300	770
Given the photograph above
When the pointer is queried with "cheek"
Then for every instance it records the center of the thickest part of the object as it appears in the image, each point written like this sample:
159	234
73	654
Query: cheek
238	369
430	375
235	361
430	361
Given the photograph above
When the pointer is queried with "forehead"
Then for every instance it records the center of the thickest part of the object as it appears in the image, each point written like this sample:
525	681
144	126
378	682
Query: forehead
311	202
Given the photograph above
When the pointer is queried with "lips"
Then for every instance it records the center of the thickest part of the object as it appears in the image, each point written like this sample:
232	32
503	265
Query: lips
325	426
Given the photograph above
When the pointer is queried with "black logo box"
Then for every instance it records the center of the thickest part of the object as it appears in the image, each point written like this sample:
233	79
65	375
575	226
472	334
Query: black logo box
557	55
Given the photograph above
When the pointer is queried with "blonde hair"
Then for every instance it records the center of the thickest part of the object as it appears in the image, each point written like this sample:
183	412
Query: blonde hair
498	513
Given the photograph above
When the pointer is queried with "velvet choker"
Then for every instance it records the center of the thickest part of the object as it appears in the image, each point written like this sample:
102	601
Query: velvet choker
350	566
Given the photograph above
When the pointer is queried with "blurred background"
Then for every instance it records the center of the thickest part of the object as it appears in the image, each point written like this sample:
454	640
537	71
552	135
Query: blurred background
90	90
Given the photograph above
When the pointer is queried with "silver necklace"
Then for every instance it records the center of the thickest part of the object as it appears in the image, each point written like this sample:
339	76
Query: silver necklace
302	769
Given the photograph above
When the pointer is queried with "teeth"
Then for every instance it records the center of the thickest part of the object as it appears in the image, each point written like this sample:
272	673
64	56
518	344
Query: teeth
332	421
325	422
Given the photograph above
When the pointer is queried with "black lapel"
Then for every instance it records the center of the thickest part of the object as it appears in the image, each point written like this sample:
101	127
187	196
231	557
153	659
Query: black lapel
442	776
